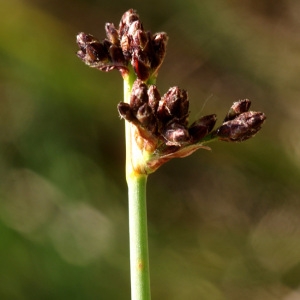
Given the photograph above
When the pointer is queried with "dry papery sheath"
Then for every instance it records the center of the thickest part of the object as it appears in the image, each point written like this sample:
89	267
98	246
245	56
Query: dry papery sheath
161	123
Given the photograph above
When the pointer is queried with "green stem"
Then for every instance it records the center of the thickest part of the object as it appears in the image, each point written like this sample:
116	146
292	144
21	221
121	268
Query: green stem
136	181
139	263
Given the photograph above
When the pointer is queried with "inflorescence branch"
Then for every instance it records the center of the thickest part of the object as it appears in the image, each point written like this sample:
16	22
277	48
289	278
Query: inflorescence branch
161	123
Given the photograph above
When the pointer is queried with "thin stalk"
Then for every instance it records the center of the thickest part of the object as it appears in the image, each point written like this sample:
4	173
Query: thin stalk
139	262
138	234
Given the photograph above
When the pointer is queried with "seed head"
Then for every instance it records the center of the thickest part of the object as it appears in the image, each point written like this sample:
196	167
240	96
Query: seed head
127	45
161	128
241	128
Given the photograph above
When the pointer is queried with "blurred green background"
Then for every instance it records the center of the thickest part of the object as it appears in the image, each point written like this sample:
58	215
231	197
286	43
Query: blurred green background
223	224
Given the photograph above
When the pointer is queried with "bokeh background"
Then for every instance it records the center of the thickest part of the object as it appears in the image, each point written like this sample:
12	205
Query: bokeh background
223	224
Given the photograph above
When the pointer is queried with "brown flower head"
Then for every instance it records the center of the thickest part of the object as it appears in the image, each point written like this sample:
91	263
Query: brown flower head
161	127
162	122
127	45
241	128
239	123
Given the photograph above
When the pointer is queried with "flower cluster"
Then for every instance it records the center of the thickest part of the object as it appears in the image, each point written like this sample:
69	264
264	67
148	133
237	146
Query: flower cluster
163	121
129	45
240	124
161	127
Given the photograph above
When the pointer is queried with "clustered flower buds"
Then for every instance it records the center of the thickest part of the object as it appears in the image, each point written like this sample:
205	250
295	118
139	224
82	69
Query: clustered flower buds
163	121
128	45
240	124
161	124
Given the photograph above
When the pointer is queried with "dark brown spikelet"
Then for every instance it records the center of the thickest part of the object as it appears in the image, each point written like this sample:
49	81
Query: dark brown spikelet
174	106
237	108
176	134
159	44
126	112
241	128
127	19
112	34
200	128
153	97
92	52
139	95
146	117
104	55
